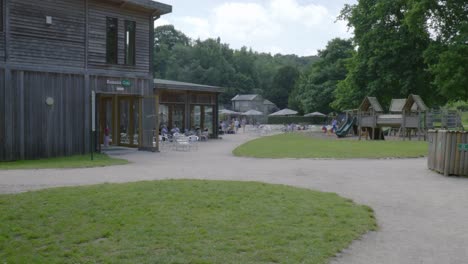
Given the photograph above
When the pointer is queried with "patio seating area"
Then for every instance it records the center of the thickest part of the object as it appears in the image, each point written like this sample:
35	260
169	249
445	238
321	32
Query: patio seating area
180	142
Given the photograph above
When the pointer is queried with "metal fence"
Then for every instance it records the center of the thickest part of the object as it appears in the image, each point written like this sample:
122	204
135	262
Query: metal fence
448	152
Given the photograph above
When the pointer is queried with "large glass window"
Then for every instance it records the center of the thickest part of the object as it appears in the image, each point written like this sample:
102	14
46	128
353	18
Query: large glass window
172	116
112	45
195	117
130	28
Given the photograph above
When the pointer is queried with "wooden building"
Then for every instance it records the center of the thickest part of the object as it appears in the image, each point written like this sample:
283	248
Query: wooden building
55	54
188	106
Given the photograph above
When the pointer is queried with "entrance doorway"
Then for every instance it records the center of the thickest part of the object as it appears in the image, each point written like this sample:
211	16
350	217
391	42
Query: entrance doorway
119	120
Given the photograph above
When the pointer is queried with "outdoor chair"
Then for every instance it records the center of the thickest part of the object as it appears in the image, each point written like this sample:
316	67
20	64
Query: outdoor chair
182	143
193	140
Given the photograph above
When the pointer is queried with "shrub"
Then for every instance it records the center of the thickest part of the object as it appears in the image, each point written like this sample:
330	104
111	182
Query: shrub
458	105
279	120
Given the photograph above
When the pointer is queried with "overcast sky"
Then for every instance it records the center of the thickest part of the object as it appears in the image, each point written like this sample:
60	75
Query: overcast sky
277	26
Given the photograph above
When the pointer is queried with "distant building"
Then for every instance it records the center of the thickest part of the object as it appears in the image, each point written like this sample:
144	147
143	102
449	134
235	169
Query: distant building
245	102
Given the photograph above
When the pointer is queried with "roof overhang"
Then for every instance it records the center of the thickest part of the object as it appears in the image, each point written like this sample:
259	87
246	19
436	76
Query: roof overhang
153	7
160	84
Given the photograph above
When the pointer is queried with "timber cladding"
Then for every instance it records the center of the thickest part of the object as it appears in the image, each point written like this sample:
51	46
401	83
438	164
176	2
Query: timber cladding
34	128
32	41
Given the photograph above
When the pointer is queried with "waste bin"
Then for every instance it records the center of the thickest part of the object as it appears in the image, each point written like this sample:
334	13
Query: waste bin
448	152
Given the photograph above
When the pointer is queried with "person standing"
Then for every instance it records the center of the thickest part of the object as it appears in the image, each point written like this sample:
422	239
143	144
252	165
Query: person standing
236	125
244	123
334	125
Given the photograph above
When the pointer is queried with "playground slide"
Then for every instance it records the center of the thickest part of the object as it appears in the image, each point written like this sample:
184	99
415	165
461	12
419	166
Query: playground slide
344	130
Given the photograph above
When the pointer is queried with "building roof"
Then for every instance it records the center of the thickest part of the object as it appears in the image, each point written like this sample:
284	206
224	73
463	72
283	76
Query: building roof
415	103
284	112
371	102
396	106
175	85
268	102
244	97
153	6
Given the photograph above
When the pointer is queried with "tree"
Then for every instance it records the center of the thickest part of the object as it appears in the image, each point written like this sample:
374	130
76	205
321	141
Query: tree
315	89
165	38
389	62
283	84
447	55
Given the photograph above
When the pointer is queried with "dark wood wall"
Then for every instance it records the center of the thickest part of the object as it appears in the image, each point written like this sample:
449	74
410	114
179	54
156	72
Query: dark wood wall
34	129
32	41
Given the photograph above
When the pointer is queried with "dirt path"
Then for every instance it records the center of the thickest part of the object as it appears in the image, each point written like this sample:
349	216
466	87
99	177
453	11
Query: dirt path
422	215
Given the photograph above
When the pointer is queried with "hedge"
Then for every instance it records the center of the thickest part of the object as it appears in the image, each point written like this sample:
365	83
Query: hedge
280	120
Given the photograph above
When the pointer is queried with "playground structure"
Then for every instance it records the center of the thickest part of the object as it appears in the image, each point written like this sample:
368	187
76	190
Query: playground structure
406	117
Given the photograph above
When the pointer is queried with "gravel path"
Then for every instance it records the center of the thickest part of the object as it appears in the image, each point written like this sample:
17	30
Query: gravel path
422	215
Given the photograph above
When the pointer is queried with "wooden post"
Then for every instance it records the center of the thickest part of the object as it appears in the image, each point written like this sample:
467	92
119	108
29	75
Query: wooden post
156	133
448	143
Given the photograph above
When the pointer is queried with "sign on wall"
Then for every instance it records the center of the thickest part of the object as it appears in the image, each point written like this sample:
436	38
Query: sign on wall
463	147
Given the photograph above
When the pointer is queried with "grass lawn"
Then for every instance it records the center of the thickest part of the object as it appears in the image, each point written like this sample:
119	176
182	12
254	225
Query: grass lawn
81	161
178	222
303	146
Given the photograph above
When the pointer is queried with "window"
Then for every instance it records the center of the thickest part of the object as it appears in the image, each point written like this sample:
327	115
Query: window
112	44
130	28
1	15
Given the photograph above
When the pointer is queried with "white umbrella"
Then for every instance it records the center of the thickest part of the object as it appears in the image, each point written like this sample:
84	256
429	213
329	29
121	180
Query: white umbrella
228	112
252	113
316	114
285	112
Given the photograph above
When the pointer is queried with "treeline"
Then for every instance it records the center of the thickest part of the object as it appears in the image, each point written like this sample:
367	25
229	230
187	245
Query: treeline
399	47
210	62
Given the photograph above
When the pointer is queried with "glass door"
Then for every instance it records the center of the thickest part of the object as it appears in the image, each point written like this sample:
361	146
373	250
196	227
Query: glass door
129	121
106	121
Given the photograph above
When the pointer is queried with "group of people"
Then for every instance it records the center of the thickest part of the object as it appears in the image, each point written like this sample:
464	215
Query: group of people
332	128
232	126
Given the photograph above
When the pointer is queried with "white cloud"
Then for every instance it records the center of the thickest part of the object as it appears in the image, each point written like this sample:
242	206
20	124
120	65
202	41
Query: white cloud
195	27
290	10
242	21
267	26
161	22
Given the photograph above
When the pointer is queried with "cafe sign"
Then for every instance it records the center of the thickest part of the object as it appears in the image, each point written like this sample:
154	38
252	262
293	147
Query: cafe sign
463	147
126	83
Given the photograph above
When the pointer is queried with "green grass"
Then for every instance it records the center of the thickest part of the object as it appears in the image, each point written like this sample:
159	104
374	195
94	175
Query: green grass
303	146
81	161
178	222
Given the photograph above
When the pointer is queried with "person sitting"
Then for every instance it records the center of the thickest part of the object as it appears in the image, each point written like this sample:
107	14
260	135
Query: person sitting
164	131
175	129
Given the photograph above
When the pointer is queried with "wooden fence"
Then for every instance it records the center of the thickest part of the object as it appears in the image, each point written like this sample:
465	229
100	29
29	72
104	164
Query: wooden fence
448	152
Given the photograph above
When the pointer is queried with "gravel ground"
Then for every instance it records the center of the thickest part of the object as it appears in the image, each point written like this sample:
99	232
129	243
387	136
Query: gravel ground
422	215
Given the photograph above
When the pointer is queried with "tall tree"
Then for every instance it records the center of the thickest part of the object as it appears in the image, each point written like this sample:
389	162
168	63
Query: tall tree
315	89
447	56
165	38
283	84
389	62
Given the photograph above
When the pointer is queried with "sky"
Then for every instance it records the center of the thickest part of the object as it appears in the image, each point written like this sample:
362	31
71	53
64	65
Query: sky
299	27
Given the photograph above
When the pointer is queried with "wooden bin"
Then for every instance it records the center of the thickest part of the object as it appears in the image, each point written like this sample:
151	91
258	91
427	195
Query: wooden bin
448	152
